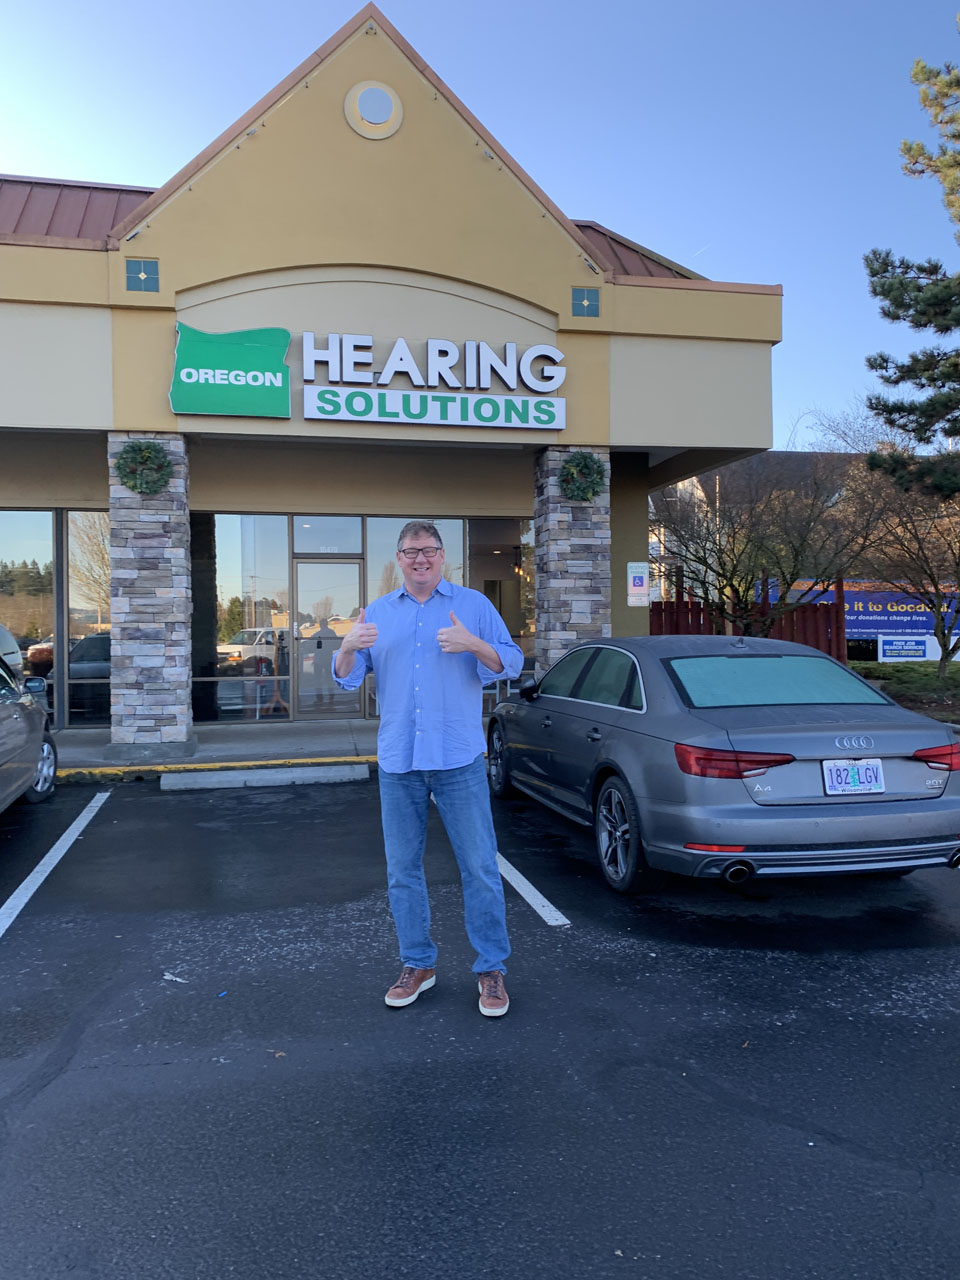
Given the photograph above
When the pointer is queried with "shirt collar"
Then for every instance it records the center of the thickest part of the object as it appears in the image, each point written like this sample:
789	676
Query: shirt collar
443	588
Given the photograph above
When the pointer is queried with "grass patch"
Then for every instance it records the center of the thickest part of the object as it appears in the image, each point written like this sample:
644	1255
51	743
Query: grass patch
917	686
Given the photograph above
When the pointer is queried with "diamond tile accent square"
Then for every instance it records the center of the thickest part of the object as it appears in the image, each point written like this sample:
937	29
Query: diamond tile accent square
585	302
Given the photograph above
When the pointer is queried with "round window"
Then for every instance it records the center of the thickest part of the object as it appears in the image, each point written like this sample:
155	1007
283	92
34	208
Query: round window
373	110
375	106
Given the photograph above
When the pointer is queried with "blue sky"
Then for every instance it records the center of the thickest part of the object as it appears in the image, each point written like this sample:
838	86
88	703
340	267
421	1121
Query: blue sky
750	140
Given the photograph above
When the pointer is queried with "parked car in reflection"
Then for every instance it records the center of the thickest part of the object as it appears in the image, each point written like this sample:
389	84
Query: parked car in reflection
730	757
255	651
89	659
28	756
40	656
10	652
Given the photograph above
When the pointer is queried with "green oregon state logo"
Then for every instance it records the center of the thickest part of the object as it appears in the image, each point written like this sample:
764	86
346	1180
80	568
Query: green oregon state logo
240	375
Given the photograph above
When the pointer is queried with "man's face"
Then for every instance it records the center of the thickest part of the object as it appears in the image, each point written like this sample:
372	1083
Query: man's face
420	573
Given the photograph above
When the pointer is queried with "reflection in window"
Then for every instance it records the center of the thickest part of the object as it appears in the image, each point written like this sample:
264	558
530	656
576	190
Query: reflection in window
502	567
562	676
327	535
26	585
88	544
607	679
241	586
383	572
88	626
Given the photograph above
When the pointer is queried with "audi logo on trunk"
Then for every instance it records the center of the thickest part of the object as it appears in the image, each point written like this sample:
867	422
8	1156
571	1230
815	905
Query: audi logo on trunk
854	742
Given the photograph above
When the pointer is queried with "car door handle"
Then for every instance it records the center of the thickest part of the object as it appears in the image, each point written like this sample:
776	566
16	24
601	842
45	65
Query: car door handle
545	724
594	735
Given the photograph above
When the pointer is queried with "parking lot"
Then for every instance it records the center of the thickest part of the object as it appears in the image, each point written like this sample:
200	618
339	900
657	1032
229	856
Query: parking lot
199	1077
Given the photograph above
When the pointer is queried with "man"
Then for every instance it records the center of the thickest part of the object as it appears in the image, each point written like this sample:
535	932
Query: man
432	646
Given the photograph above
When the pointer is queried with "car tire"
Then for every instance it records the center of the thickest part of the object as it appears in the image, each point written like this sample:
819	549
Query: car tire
616	829
45	779
498	770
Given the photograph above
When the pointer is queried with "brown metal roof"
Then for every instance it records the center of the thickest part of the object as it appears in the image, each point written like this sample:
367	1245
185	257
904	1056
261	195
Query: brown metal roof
43	207
623	257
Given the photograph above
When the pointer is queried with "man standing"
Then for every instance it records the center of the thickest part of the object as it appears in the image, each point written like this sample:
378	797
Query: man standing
432	646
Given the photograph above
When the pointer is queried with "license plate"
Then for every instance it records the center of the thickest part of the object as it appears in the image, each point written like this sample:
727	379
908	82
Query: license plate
852	777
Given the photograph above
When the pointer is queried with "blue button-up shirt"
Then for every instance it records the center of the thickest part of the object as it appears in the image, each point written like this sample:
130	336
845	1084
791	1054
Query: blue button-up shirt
430	701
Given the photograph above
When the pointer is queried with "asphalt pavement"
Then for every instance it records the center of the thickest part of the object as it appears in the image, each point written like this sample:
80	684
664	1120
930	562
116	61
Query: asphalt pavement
199	1077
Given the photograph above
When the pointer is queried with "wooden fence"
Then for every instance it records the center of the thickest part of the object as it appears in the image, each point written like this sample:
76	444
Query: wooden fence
819	625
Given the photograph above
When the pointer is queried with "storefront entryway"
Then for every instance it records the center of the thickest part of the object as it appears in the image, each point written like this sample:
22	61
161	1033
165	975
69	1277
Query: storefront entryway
326	603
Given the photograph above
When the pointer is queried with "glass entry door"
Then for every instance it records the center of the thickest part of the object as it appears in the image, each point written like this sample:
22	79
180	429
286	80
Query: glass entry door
326	604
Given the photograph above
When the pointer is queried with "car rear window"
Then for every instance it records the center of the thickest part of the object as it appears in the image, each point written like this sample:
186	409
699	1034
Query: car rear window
756	680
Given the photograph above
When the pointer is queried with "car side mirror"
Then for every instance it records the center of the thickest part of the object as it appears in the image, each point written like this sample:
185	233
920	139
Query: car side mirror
35	684
528	690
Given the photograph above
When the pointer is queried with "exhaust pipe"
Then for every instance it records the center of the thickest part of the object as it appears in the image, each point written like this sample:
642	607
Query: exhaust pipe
737	872
955	860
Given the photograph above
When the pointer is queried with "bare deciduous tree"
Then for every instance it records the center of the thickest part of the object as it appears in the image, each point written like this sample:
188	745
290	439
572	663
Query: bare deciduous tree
90	559
779	519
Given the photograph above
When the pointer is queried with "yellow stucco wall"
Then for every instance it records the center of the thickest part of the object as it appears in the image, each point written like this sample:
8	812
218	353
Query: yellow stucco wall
249	475
55	366
54	469
682	393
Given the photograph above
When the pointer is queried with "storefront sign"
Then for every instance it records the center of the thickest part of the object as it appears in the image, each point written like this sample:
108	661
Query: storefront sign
240	374
446	365
871	612
638	584
341	404
441	383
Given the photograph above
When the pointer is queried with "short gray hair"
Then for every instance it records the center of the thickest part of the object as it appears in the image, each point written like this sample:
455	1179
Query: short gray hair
418	526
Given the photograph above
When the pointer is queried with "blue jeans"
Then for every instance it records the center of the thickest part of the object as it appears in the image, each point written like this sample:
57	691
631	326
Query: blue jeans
463	800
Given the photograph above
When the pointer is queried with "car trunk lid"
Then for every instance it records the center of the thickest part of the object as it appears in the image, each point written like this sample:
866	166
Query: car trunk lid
841	753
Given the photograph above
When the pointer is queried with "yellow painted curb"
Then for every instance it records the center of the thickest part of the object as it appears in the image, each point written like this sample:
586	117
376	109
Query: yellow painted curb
118	772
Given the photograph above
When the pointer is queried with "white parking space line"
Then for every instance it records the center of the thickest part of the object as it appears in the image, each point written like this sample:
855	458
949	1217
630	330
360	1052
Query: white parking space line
544	909
20	897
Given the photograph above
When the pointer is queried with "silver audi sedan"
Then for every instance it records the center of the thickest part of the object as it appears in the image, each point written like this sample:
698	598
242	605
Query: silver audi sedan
28	757
730	757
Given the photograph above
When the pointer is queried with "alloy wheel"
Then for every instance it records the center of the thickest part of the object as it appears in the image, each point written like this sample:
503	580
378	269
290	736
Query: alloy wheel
613	834
46	769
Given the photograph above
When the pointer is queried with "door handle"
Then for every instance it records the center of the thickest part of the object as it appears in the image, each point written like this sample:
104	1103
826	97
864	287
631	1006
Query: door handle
546	724
594	735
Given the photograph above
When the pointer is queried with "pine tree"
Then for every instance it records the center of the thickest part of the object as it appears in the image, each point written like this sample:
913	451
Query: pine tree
925	296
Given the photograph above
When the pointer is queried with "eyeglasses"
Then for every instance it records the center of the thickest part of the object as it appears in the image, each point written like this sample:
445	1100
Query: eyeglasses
411	553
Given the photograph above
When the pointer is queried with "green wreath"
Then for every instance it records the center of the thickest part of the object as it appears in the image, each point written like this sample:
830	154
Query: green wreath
582	476
144	466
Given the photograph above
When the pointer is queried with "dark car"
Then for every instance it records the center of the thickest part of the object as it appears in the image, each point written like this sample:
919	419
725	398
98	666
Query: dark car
28	757
730	757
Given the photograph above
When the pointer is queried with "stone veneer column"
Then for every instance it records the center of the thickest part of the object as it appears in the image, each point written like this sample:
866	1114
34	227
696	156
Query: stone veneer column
572	559
150	602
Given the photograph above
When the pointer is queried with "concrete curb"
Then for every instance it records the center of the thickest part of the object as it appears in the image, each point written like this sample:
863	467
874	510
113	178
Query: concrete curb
222	779
147	773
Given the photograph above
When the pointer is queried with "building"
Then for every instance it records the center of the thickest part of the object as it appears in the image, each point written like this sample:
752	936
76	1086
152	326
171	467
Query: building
351	309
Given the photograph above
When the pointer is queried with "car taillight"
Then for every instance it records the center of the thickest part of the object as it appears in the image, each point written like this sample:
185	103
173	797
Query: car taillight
707	762
947	758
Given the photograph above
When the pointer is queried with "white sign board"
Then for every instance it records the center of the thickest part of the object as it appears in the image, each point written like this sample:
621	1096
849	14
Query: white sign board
638	584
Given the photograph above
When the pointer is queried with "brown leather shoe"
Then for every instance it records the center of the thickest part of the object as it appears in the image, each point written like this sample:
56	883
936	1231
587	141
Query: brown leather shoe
494	1001
409	985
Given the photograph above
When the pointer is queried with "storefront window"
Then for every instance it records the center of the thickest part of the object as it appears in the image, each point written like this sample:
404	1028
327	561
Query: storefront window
327	536
241	617
26	585
383	572
88	625
502	567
